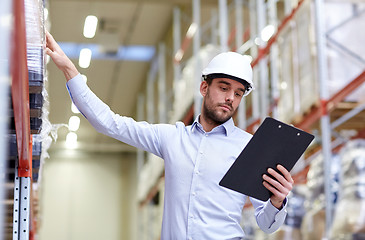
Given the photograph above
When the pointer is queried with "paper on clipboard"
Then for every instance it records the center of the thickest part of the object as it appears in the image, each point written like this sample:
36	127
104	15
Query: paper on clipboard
273	143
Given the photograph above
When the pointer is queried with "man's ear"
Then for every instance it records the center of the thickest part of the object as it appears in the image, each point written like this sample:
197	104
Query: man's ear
203	88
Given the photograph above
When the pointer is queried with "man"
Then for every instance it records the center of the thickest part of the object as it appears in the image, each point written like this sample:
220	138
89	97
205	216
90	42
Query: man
197	156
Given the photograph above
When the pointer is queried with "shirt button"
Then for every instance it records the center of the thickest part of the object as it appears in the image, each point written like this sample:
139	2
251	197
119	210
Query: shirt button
206	135
190	239
193	193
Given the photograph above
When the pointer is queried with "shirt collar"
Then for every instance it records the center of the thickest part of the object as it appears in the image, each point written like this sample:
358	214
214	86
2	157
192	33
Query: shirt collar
227	126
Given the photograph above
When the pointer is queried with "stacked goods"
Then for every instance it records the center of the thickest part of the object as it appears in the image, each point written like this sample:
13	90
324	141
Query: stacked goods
286	101
315	179
349	220
36	152
306	58
313	226
35	60
298	83
34	36
344	22
286	233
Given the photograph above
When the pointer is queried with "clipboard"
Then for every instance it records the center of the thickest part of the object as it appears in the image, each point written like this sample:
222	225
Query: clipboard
273	143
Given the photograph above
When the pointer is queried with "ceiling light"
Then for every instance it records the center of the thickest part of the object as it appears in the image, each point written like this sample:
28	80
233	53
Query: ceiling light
125	53
74	123
85	58
179	54
245	47
71	140
283	85
192	30
74	108
91	22
267	32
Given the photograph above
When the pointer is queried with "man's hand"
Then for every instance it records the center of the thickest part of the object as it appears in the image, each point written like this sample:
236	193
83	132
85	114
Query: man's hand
279	185
60	58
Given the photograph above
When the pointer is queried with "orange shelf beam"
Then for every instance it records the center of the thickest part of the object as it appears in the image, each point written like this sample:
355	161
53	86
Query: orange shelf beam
264	51
328	106
20	91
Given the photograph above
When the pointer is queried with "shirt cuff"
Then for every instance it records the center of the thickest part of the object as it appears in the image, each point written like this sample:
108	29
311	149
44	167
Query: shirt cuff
77	88
76	85
278	213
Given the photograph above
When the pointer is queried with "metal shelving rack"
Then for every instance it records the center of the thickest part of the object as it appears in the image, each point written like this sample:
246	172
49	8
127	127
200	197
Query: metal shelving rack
5	36
23	117
20	99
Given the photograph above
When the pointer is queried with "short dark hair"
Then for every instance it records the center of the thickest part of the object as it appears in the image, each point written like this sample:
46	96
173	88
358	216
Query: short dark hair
209	78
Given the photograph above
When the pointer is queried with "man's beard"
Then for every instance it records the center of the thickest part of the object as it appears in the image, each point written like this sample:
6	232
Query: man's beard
212	116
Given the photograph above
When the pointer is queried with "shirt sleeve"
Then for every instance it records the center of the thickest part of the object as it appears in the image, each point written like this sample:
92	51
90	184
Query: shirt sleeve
138	134
268	217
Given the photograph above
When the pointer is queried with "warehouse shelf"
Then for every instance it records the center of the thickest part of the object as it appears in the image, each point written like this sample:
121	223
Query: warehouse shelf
332	104
25	113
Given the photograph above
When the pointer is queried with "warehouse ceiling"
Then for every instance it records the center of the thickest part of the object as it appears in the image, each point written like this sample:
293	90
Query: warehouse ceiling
117	81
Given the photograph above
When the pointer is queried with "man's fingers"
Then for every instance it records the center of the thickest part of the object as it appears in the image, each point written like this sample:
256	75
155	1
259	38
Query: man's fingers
49	39
276	184
51	43
274	191
278	177
286	173
283	183
49	52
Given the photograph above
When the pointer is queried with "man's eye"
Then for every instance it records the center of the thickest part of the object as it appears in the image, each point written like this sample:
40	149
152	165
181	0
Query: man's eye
238	95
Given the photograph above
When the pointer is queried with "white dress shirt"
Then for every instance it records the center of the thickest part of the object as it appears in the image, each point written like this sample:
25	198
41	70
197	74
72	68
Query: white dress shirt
195	206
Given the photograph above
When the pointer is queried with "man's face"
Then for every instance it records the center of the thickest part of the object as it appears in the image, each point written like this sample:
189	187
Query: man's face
221	99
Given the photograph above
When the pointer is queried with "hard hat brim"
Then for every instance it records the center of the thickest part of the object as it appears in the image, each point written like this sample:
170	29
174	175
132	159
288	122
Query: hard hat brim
246	84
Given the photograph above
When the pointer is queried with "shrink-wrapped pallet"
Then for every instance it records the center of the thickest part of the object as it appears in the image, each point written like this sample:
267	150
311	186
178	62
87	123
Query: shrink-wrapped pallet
286	233
345	22
349	220
298	82
34	37
308	84
286	101
315	179
313	225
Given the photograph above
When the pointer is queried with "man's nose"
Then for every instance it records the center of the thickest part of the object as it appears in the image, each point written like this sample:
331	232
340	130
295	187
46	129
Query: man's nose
230	96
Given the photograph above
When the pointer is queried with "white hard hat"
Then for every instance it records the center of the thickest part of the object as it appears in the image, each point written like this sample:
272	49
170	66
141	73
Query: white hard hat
231	65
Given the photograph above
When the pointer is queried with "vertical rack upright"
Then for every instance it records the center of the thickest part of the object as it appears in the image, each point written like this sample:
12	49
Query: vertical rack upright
27	72
20	99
